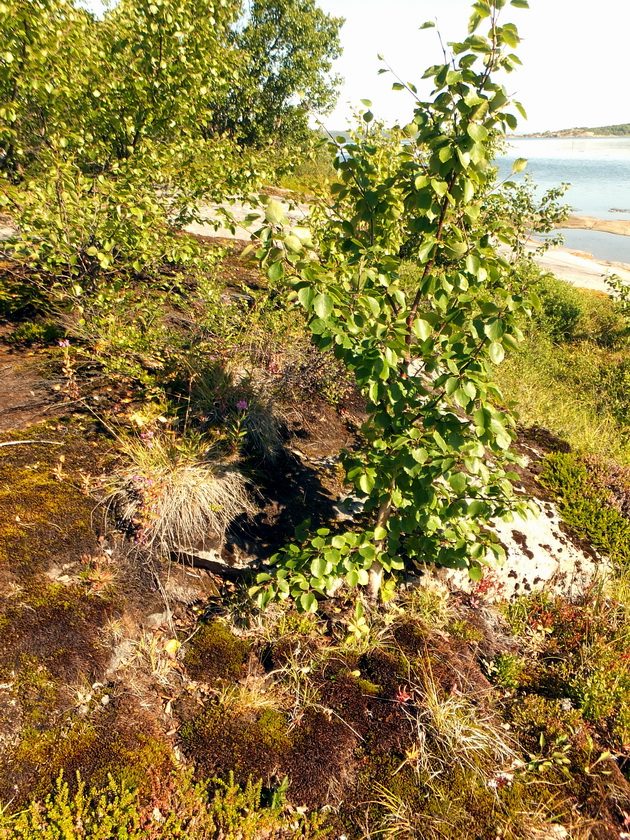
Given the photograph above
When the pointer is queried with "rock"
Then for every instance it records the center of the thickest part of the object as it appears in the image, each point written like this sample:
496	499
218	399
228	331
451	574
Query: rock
156	620
187	585
213	561
539	556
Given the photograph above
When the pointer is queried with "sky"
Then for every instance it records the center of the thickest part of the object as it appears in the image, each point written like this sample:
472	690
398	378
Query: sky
574	53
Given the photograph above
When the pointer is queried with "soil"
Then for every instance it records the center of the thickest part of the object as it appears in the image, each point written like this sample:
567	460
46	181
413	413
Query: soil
28	391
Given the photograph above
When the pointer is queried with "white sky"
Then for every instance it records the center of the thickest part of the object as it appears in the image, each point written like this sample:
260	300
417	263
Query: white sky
575	57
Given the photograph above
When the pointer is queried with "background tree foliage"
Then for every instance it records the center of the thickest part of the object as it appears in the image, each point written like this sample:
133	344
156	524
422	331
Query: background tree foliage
287	48
114	129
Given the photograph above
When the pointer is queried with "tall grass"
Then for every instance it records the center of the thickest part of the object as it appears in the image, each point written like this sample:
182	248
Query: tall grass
542	382
572	373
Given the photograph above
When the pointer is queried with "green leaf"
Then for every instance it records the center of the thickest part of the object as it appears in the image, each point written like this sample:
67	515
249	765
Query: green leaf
306	296
366	483
428	24
364	577
469	191
458	482
519	165
380	533
293	243
477	132
422	329
352	578
318	567
308	602
323	306
494	329
452	384
275	272
475	573
439	187
519	107
274	212
496	352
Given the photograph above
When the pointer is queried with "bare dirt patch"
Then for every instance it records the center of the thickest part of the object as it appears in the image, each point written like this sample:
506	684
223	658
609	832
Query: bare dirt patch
27	391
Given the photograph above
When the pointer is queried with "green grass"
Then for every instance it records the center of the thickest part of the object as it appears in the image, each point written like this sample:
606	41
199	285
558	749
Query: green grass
560	387
571	375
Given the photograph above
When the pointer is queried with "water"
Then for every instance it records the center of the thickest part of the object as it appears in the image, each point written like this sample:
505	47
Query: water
604	246
598	170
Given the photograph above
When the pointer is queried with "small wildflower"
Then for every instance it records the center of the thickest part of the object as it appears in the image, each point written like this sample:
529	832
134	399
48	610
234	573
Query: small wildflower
241	405
64	342
501	780
402	695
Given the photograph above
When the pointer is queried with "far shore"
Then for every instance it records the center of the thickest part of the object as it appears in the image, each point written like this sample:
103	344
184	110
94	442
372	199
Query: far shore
618	226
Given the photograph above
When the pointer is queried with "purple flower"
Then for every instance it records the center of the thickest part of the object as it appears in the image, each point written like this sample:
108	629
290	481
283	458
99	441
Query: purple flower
64	342
241	405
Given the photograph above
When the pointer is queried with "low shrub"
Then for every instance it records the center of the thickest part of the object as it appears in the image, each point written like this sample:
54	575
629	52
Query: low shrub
587	507
562	307
215	810
34	332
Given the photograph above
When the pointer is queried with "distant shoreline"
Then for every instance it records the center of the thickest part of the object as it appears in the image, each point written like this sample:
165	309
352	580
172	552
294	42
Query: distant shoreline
583	135
621	227
581	268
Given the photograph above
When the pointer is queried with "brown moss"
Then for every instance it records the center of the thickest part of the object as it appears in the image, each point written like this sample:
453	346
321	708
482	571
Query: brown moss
410	636
321	764
453	665
386	668
352	697
118	738
45	518
58	626
214	653
250	743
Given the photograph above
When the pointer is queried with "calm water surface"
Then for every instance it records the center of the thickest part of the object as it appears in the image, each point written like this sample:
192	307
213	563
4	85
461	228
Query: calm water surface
598	170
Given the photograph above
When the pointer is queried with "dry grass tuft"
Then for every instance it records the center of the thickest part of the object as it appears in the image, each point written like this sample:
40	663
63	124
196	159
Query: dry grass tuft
173	496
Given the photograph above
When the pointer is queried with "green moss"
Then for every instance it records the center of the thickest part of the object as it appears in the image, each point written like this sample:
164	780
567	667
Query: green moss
214	653
250	743
459	628
117	739
586	507
44	516
368	687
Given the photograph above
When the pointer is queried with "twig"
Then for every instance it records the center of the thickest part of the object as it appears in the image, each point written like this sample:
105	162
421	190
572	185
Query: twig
20	442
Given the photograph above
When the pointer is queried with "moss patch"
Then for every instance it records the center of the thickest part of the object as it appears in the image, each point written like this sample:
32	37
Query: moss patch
45	517
215	653
60	628
118	738
249	743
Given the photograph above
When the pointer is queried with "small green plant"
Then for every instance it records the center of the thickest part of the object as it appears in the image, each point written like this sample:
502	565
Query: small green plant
587	507
507	670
